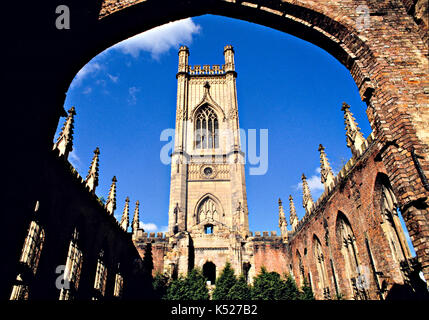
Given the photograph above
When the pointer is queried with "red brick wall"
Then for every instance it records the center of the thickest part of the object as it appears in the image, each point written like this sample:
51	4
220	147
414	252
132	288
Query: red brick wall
355	199
272	255
158	249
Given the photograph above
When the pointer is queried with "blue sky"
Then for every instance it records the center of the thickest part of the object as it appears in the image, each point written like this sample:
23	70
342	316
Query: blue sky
126	96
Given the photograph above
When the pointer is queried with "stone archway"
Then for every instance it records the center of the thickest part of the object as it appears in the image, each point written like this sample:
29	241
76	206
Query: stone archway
387	59
209	271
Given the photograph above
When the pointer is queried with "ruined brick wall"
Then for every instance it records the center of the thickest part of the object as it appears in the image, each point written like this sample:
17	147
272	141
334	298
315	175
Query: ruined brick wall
354	197
270	252
155	246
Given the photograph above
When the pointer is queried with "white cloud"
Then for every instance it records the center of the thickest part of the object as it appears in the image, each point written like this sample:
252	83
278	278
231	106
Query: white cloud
152	227
314	183
148	227
132	91
160	39
155	41
88	90
113	78
74	159
89	68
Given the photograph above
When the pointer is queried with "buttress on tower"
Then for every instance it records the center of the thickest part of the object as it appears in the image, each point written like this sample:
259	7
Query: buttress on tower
208	215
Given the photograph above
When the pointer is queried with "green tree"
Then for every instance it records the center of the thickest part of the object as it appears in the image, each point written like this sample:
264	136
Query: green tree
160	285
193	287
269	286
306	292
224	283
291	289
240	290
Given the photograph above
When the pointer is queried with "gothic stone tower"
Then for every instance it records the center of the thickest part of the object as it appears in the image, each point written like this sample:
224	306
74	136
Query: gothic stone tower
208	217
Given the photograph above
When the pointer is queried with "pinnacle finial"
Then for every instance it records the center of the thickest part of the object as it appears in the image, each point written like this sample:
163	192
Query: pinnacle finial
326	175
281	212
65	140
354	136
111	199
293	216
136	218
282	222
125	221
183	48
228	52
183	59
307	199
92	177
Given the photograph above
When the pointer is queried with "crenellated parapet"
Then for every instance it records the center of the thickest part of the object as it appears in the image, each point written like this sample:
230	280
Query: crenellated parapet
142	236
264	235
206	69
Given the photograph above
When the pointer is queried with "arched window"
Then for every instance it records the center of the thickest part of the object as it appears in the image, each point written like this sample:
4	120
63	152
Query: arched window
301	270
33	246
207	210
206	129
386	204
30	256
347	242
73	268
321	268
119	283
208	229
100	275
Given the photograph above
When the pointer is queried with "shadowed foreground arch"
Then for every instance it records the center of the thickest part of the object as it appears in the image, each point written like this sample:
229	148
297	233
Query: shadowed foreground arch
387	60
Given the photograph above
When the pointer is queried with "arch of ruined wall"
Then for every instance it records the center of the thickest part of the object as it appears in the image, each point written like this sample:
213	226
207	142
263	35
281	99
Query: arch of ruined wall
387	59
386	56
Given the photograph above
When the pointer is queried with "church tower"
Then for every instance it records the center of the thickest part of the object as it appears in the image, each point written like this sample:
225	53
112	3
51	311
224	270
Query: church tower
208	204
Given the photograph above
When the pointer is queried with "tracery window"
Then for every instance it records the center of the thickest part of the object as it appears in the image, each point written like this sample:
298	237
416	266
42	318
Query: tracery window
391	224
33	246
101	274
73	268
321	268
349	251
206	129
301	271
19	290
119	285
207	210
30	256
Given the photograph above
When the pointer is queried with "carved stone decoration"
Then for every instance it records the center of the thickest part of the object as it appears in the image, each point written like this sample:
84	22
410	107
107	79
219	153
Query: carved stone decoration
233	113
207	210
208	172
